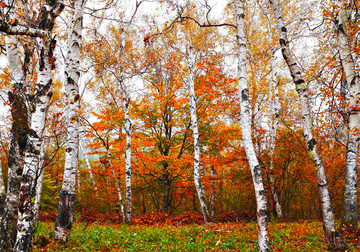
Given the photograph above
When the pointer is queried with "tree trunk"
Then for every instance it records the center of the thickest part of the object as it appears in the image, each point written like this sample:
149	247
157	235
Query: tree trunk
127	126
194	123
90	172
19	132
117	184
66	207
352	146
38	187
212	193
167	186
274	115
333	239
39	108
262	215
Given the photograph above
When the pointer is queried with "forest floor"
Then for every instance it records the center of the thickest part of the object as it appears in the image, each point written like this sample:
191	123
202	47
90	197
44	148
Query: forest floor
183	236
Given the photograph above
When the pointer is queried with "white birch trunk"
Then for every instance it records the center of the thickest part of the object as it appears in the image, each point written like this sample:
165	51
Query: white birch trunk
38	187
332	237
19	132
117	185
32	161
127	127
66	207
274	115
352	145
193	105
90	172
262	215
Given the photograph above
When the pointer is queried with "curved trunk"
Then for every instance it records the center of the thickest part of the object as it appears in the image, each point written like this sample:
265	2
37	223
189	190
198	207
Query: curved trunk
262	215
332	237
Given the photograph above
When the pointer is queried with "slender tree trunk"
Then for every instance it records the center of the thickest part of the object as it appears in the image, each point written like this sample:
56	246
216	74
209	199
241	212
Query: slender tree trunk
127	126
332	237
194	123
352	146
117	184
167	186
274	114
212	193
90	172
38	187
262	215
66	207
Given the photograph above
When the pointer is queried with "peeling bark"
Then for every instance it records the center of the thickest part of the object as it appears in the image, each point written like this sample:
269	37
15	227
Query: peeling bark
19	133
72	76
352	80
245	120
303	92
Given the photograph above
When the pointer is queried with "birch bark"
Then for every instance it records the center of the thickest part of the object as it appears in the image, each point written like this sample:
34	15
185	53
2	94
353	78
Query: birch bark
193	106
66	207
19	132
274	114
262	215
127	127
332	237
352	145
38	187
117	184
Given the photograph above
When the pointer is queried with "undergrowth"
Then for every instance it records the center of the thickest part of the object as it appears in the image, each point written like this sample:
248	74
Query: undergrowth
294	236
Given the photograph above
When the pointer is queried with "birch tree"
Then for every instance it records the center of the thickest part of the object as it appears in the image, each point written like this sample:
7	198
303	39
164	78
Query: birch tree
127	127
19	132
191	61
66	208
332	237
274	118
342	23
28	119
245	121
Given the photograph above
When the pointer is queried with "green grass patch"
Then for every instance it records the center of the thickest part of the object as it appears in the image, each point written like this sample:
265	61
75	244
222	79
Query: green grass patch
299	236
